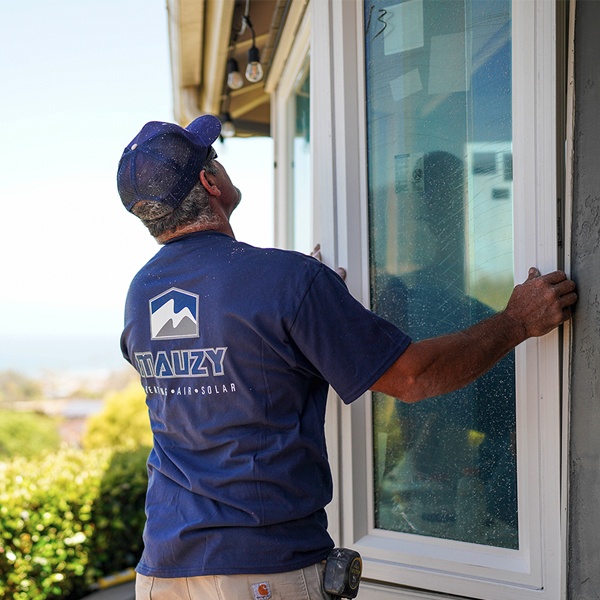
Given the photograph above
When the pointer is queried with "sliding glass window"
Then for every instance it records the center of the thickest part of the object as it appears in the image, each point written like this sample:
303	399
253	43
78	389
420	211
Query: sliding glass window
439	124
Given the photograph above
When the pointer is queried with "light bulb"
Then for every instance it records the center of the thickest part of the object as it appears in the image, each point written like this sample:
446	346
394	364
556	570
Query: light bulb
234	78
254	70
228	128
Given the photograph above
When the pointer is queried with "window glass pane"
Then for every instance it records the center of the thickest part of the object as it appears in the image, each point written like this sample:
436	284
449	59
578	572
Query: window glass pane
301	213
441	256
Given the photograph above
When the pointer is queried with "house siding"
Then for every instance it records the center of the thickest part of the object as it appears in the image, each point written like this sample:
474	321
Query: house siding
583	581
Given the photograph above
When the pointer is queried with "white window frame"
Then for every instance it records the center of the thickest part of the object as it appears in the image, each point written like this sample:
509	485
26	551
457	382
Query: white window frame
536	570
306	33
283	125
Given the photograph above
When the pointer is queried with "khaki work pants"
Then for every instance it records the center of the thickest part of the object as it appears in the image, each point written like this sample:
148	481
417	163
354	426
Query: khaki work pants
303	584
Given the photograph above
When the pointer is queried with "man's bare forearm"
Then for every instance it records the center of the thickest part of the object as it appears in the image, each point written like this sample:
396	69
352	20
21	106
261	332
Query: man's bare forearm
440	365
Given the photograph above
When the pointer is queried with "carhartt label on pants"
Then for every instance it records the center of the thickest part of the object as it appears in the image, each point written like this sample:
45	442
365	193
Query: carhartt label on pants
262	590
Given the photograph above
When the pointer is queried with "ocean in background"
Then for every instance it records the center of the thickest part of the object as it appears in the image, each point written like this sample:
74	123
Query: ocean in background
35	355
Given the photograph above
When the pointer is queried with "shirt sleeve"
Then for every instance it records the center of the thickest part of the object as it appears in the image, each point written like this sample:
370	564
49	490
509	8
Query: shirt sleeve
348	344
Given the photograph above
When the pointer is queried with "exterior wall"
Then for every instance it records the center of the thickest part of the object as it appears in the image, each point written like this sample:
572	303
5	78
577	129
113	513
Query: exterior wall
584	451
584	460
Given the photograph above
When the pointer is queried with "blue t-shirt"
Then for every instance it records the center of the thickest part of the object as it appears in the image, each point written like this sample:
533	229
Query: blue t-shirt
236	347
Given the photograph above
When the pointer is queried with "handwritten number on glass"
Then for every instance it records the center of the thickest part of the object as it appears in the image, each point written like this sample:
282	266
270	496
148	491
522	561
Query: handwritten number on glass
380	18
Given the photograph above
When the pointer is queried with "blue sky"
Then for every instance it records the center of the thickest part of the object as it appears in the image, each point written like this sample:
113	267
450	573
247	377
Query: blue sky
79	79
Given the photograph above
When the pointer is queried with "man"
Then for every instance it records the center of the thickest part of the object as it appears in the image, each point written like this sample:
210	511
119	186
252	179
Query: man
236	347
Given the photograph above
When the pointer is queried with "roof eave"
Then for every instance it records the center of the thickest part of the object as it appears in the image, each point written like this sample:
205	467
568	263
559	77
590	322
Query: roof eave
199	33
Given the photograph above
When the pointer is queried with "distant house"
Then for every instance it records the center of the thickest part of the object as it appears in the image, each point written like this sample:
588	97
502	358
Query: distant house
436	150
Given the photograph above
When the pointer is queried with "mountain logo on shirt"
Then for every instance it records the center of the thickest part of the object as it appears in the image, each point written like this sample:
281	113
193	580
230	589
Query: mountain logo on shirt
174	315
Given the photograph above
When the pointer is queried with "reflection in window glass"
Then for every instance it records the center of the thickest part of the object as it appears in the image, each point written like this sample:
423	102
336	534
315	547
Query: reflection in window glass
441	252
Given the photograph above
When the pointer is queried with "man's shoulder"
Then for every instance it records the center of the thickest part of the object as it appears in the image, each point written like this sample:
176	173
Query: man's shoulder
288	260
227	260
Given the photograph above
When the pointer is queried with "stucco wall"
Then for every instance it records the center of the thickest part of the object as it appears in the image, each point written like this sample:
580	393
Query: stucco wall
584	495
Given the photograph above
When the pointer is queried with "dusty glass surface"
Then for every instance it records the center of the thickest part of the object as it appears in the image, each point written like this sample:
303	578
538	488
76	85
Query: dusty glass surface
441	256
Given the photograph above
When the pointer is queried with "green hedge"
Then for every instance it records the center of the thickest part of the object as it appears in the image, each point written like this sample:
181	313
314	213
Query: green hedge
123	420
69	518
27	434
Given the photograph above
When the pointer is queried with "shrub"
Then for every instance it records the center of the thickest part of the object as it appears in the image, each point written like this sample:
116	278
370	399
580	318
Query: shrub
67	519
27	434
123	420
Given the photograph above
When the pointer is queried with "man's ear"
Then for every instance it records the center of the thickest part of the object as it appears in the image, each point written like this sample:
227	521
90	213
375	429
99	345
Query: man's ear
208	181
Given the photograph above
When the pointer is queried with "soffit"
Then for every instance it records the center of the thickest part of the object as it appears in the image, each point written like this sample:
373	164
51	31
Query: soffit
202	36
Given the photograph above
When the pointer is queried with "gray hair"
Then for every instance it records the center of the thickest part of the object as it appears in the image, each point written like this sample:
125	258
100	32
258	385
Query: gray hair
160	218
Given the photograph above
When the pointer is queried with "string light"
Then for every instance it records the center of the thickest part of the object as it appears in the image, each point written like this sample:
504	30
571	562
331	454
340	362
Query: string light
254	70
234	78
227	128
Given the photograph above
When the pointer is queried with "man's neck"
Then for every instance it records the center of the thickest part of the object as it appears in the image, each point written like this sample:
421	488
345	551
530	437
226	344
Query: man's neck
193	228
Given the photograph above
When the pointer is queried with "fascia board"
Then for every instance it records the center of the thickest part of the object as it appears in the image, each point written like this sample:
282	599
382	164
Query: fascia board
218	17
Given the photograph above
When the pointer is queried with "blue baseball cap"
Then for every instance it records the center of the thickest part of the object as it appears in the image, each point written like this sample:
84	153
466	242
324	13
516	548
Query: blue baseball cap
163	162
